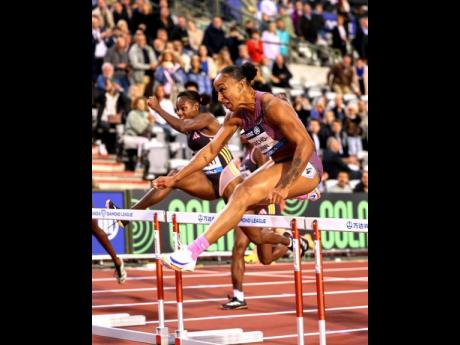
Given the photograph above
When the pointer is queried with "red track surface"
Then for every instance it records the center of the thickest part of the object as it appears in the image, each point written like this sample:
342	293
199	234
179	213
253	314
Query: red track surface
346	298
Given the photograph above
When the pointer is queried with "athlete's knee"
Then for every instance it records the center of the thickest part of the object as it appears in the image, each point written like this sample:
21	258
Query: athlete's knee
239	248
265	261
241	195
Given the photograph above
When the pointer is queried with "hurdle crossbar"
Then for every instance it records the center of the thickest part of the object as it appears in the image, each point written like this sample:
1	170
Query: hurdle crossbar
248	220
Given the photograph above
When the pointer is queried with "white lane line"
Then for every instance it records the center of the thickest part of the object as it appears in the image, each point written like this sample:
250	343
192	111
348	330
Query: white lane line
284	295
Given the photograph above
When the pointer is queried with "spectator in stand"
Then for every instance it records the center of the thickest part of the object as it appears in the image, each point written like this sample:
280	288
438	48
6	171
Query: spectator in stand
327	123
361	41
308	25
198	76
214	37
243	55
223	59
128	7
164	22
333	162
339	134
271	43
362	187
280	73
256	48
122	25
296	15
100	40
195	35
259	83
269	8
302	107
362	109
191	86
159	46
265	70
343	8
112	110
249	28
319	22
178	47
264	23
162	34
338	107
234	40
340	35
139	125
287	20
353	130
142	60
120	13
180	32
144	19
170	75
343	184
107	73
207	63
319	109
134	92
341	77
118	57
283	36
362	76
363	113
105	14
319	139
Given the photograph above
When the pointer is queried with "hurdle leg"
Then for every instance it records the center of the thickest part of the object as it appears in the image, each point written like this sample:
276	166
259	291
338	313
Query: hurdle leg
298	283
161	334
180	332
320	284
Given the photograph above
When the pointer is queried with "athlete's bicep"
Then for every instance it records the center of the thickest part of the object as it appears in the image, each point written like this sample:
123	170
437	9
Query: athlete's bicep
281	115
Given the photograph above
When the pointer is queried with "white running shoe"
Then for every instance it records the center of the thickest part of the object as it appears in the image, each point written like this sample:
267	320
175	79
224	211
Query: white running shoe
180	260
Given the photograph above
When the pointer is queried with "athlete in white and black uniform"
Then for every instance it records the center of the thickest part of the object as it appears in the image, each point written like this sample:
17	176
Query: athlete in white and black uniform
218	178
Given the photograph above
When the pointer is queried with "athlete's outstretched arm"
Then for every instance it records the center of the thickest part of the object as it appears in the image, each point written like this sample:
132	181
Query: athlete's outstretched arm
183	126
205	156
280	114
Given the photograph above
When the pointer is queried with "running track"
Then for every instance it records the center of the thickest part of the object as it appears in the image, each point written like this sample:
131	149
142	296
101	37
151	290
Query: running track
269	292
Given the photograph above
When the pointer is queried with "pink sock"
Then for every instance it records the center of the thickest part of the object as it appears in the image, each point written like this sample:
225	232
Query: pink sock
198	246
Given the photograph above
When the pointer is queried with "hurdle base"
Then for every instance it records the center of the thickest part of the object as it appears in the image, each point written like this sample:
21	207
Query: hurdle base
118	320
224	336
118	333
213	337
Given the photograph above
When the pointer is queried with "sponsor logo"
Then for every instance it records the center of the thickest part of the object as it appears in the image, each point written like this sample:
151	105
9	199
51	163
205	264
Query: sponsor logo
355	225
205	219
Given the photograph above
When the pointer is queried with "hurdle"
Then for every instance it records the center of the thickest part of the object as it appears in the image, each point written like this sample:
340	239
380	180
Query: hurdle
161	337
233	336
331	224
104	328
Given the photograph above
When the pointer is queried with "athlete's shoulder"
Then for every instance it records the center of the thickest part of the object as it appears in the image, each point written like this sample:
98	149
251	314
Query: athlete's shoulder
270	101
208	116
